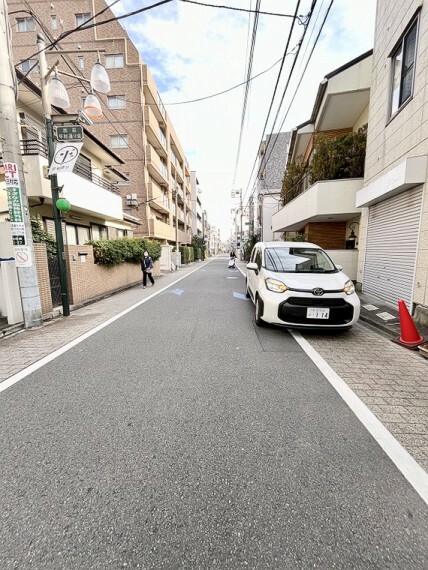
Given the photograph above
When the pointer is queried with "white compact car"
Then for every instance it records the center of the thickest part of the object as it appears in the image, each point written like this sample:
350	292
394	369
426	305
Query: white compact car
297	285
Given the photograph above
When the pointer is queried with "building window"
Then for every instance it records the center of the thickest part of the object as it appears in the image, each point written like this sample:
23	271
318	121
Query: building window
98	232
81	19
30	64
119	141
116	102
114	61
54	23
26	25
403	69
81	62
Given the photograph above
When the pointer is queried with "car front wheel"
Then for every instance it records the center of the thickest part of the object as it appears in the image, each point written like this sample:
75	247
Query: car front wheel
259	312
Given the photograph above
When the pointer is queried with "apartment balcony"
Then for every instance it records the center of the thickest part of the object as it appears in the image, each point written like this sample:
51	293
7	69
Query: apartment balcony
180	194
152	96
86	191
155	166
153	131
157	199
176	168
324	201
184	237
181	216
161	230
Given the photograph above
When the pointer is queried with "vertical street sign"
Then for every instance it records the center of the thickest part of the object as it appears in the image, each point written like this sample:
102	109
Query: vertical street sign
16	214
65	156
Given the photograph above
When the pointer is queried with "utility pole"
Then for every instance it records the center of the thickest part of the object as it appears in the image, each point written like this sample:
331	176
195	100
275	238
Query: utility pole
27	276
241	236
177	252
47	109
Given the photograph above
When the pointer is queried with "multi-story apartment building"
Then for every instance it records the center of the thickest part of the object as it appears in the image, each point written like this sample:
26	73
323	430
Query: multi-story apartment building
272	154
134	124
393	260
197	212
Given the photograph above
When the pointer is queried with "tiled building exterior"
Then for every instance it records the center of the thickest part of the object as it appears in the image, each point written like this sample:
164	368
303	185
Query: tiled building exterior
393	260
273	157
273	154
135	124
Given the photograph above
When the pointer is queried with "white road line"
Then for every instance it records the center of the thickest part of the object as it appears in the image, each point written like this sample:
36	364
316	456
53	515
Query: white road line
411	470
36	365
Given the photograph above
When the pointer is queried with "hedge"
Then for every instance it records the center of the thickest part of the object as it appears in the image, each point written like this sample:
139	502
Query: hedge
187	254
111	252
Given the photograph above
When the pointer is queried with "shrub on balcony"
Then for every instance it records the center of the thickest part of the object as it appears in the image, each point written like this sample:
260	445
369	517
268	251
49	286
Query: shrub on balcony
339	158
292	182
333	159
112	252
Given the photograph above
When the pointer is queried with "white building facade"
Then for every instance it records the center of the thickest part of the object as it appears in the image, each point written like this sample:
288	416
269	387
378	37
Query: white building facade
393	249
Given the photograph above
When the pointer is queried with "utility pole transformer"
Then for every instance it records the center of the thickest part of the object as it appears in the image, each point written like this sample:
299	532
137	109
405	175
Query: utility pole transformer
27	275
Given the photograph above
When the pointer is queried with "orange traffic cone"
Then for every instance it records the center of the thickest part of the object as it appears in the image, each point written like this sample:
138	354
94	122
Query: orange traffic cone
410	336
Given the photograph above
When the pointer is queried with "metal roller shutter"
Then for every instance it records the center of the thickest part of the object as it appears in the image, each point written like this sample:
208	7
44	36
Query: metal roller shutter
392	241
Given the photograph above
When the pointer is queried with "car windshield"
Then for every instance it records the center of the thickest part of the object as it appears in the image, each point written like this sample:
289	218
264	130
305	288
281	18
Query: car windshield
298	260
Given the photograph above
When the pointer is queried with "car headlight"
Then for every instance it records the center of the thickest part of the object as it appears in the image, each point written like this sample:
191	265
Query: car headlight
349	287
275	285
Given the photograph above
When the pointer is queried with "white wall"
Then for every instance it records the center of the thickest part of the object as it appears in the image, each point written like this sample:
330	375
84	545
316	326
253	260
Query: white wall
10	299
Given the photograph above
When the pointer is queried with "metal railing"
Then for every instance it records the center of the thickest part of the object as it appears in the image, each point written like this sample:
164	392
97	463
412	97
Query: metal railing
35	147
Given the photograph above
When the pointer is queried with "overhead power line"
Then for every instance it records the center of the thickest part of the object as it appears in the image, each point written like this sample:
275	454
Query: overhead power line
277	83
226	90
85	26
301	77
247	85
241	9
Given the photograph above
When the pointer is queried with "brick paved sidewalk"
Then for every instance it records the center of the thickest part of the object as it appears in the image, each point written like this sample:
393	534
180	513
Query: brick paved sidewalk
390	380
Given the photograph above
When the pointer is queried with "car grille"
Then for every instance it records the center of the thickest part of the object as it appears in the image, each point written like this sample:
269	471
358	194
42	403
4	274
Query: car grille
293	310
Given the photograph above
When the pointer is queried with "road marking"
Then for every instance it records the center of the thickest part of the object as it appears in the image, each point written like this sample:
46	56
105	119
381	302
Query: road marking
386	316
36	365
371	307
411	470
240	296
175	292
231	278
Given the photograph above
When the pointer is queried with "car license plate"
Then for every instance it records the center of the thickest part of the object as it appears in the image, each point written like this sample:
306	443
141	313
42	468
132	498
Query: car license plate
317	313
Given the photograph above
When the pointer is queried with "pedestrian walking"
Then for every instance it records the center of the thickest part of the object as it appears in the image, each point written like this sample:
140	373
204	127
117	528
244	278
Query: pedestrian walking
147	269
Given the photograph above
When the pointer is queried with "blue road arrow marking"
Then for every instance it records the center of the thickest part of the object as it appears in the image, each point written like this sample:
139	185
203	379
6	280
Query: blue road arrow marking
173	292
240	296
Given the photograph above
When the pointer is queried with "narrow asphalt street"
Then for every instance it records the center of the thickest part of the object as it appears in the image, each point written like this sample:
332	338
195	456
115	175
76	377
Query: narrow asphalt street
182	436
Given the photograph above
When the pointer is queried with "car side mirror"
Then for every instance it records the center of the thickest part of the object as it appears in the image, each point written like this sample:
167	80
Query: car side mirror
339	267
253	267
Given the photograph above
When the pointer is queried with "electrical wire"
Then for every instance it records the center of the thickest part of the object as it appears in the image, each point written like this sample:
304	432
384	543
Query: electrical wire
239	9
73	67
276	85
284	93
96	24
247	86
226	90
301	77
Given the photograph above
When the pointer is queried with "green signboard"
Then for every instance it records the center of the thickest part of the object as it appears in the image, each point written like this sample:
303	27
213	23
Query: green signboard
15	204
72	133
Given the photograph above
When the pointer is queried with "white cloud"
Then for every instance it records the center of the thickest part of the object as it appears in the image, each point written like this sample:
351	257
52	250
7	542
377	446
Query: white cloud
194	51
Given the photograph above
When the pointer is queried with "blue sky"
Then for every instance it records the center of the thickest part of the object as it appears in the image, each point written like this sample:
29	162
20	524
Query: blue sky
194	51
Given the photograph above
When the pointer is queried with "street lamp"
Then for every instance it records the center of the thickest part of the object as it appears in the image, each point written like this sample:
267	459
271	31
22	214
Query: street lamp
55	93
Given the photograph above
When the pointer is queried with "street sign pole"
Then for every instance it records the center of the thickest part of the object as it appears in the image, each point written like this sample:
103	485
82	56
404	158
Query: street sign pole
53	178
